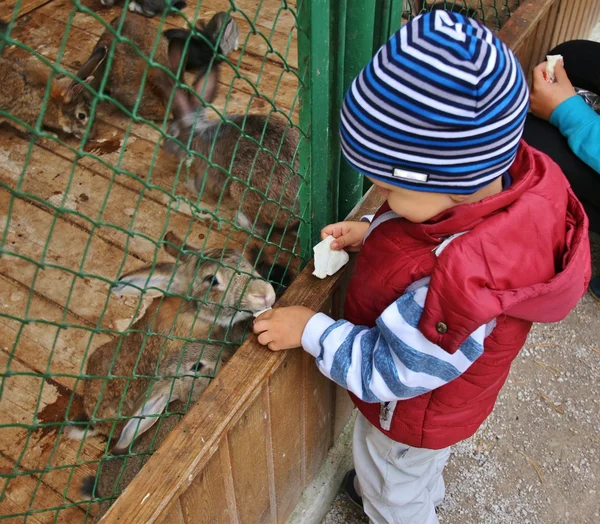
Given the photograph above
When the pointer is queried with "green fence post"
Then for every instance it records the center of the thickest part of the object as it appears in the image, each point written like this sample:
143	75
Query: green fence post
359	31
314	53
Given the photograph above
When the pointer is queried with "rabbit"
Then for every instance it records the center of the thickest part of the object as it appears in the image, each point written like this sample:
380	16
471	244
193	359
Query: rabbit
128	68
67	109
200	52
115	474
254	171
149	7
215	290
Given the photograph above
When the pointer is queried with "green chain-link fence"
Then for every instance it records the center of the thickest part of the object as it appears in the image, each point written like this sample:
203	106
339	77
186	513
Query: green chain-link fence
106	202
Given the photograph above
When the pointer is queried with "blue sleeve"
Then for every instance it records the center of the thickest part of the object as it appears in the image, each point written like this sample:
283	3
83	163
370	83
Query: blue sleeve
392	361
580	124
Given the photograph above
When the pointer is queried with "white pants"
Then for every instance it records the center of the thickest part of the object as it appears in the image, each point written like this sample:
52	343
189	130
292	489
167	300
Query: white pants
398	484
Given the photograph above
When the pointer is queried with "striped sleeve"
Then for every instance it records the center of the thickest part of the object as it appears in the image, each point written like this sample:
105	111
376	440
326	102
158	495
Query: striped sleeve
392	361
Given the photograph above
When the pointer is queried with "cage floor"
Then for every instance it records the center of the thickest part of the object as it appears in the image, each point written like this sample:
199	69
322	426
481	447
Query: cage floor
67	258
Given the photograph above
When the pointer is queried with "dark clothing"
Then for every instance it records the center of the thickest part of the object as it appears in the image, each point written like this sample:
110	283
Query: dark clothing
583	72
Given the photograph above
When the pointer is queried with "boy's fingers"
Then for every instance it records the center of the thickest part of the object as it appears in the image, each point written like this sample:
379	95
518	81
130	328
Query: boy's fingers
260	325
339	242
264	338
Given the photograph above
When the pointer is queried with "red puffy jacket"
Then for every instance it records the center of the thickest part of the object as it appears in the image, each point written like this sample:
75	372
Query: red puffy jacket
525	258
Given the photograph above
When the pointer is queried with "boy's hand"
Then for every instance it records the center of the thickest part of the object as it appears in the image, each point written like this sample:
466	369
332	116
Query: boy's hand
348	235
546	97
282	328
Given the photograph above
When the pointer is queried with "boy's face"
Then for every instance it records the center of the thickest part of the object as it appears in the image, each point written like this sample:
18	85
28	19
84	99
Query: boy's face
416	206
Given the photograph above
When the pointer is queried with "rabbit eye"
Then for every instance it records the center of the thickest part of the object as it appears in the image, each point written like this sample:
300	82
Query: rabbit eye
211	280
197	367
81	116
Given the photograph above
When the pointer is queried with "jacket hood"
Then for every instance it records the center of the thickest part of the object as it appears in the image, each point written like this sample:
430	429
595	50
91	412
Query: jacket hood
526	254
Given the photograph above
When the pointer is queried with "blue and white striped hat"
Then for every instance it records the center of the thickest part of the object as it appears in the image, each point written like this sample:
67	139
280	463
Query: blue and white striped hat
440	107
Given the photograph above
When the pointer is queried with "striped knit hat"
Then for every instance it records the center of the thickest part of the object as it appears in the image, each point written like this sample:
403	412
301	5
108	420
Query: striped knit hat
440	107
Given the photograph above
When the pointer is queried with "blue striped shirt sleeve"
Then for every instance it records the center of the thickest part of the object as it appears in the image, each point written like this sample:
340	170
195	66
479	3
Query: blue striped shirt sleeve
392	361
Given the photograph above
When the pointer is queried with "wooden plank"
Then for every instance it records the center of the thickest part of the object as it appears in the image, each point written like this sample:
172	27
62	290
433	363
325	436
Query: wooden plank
8	6
17	499
568	8
175	514
523	22
205	499
187	450
247	449
318	413
287	446
41	346
63	246
29	399
550	22
132	223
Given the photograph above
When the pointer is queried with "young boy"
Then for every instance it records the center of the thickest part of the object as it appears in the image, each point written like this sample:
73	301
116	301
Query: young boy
480	236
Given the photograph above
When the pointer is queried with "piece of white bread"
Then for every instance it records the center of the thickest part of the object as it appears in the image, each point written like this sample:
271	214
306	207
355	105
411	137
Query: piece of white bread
551	63
261	312
328	261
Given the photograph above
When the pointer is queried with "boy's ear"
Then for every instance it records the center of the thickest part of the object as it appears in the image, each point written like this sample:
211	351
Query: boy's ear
459	199
164	277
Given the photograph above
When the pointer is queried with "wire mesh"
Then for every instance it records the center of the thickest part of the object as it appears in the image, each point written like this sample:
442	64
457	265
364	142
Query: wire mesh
94	203
493	13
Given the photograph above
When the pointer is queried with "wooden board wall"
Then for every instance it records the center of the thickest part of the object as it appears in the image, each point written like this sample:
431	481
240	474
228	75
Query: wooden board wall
540	25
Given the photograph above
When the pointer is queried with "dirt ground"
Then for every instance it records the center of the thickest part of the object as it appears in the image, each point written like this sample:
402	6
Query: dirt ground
537	457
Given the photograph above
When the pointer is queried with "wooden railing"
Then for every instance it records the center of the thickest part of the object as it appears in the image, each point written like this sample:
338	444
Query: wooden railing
264	425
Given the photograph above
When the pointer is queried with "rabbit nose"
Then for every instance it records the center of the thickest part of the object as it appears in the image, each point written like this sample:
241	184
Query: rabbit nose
269	298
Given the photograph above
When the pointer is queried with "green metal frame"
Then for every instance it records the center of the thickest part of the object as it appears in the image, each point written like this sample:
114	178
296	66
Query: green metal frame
336	40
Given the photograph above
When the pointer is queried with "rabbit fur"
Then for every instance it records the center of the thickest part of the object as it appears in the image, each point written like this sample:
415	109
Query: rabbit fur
258	151
128	68
211	298
68	108
200	51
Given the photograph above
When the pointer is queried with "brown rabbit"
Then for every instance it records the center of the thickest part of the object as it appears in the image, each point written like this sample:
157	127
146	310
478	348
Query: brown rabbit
260	152
216	289
115	474
128	68
68	108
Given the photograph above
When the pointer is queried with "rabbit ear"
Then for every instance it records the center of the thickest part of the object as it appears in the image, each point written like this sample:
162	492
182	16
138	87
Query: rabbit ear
88	72
163	276
176	250
207	82
229	39
154	405
181	103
